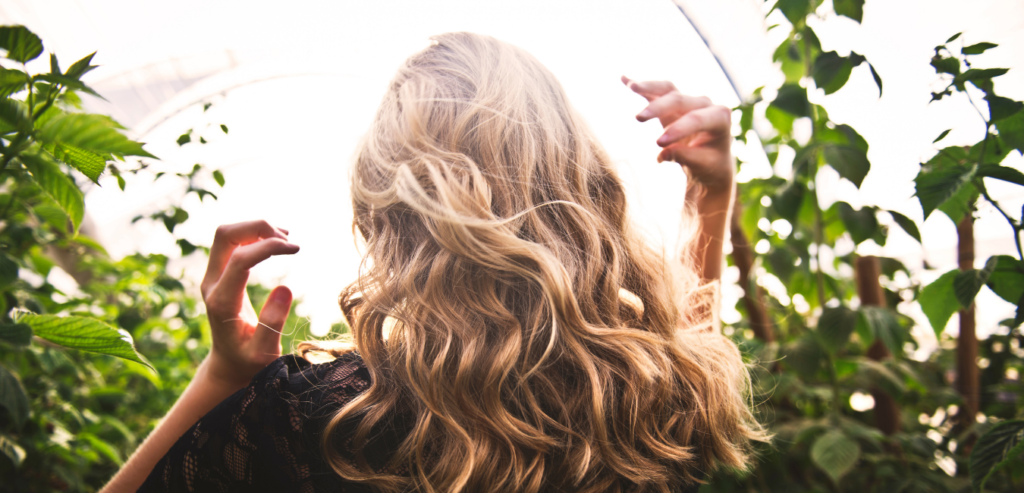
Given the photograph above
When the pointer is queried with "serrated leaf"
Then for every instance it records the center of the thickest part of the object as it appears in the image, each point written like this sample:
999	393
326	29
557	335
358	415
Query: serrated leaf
968	283
48	175
939	302
942	177
853	9
907	224
882	324
850	162
14	113
861	224
1007	279
835	454
1011	131
12	397
977	49
68	82
942	135
835	327
94	133
12	450
21	44
994	450
89	163
11	81
81	67
85	334
16	334
961	203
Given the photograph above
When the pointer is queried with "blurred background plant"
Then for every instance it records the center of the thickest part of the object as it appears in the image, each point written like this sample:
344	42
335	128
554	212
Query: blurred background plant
851	411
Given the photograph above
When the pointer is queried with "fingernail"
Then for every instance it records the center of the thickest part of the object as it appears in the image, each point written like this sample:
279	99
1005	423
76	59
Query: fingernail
645	114
663	140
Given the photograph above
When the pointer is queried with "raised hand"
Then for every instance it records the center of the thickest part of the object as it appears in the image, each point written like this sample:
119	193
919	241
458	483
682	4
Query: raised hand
243	343
697	133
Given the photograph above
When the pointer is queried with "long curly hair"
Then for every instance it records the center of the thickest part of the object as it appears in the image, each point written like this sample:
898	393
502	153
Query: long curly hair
515	326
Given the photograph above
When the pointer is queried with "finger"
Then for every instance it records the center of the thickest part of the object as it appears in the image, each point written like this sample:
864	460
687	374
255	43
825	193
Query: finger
651	89
231	236
672	105
236	272
272	319
715	120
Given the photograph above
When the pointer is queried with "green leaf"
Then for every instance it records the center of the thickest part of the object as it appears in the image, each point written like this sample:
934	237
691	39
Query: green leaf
224	128
8	270
961	203
945	65
94	133
794	10
1011	131
942	177
780	120
69	82
792	99
54	65
1007	279
186	247
835	327
907	224
953	37
86	334
835	453
787	201
862	224
219	177
998	172
853	9
966	284
12	397
939	301
980	77
16	334
882	324
878	374
942	135
11	81
850	162
994	450
1000	107
12	450
21	44
15	114
831	71
89	163
977	49
48	175
81	67
878	79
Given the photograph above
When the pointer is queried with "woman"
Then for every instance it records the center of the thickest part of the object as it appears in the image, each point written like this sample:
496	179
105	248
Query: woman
511	330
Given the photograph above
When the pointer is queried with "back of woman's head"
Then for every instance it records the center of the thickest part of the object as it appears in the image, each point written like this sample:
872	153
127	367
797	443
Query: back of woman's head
516	328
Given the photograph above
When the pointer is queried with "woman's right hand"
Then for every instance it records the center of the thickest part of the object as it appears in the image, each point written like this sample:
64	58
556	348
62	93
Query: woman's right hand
697	133
243	343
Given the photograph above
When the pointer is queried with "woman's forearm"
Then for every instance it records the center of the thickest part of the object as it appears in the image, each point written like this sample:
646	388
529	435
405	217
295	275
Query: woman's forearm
713	209
201	395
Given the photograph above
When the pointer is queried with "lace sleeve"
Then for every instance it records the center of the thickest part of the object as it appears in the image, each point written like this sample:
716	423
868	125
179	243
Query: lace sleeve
266	437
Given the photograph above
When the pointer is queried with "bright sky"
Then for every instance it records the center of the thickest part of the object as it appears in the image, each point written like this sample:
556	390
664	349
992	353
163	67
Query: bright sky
297	87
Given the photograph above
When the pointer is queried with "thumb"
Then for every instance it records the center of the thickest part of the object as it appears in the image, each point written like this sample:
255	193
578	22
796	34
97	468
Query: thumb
272	319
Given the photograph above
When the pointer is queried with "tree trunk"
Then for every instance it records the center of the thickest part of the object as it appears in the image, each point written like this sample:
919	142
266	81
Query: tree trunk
867	271
968	379
753	295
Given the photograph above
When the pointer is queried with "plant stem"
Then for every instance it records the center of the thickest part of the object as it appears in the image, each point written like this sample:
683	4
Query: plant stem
1013	224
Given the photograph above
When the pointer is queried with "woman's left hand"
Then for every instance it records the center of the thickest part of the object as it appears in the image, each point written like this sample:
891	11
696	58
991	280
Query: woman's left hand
243	344
697	133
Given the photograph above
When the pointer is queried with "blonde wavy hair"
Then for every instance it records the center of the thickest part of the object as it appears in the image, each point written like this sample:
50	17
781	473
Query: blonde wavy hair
507	311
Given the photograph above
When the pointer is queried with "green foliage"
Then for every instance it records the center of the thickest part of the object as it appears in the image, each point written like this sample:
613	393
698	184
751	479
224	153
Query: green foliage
996	450
827	345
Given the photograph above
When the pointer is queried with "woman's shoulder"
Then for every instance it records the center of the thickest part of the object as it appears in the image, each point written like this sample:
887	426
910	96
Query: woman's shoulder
312	386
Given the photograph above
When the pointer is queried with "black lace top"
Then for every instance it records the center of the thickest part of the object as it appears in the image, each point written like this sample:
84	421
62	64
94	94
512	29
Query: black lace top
266	437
